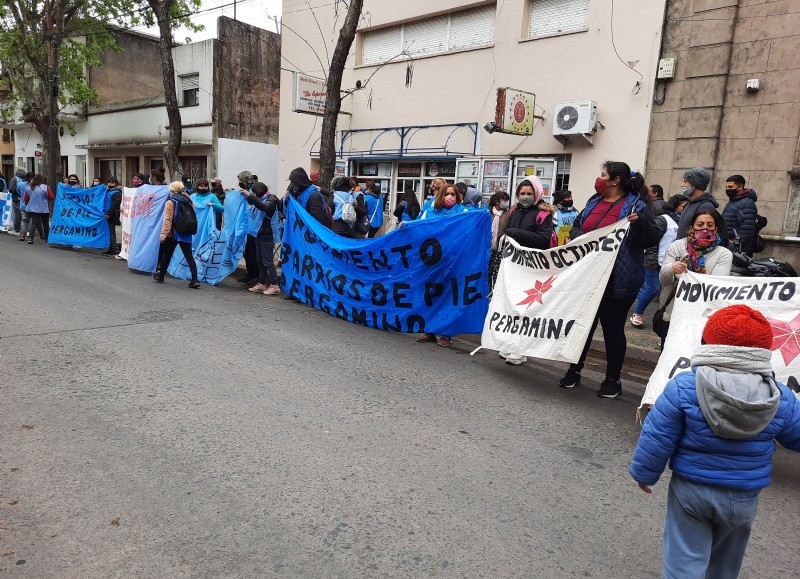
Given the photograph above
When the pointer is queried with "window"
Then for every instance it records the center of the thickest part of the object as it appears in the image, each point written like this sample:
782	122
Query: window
465	30
8	136
190	89
554	17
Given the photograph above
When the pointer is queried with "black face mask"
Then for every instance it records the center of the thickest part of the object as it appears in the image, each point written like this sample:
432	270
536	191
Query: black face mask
203	189
566	203
731	193
72	183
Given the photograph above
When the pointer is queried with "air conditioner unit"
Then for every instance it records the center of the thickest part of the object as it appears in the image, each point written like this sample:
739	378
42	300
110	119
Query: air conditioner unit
575	118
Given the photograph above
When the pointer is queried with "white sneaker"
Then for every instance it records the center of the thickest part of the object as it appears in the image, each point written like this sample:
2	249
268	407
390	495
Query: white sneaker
503	355
515	360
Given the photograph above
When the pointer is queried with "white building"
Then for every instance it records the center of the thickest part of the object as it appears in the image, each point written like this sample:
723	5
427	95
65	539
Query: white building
227	89
430	73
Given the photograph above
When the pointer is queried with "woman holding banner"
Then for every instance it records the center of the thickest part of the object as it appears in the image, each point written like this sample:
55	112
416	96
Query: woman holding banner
530	223
701	251
260	198
620	194
447	202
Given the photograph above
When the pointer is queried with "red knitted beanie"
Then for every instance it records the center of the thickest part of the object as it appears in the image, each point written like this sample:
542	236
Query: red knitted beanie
738	326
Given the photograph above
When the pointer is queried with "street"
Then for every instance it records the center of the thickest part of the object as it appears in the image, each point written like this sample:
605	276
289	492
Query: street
157	431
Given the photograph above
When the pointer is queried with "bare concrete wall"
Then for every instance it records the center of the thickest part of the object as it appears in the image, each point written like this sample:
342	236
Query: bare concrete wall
708	118
134	73
247	82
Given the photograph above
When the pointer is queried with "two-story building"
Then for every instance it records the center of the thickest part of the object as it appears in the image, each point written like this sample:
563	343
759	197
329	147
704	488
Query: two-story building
228	91
421	86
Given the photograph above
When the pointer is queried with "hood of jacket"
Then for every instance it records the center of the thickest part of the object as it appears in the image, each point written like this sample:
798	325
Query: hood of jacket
737	406
180	197
745	193
299	178
704	198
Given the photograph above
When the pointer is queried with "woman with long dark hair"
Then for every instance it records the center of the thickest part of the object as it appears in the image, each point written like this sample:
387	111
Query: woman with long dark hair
619	195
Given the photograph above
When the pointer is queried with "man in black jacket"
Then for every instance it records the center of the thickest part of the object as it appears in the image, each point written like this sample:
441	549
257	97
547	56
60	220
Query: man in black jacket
112	215
740	214
694	185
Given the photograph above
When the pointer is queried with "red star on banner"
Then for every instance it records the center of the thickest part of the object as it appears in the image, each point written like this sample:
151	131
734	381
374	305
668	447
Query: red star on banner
537	291
786	338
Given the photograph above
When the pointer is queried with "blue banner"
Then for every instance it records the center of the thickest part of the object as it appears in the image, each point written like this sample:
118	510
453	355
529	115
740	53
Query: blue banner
256	217
426	276
79	217
147	216
5	209
216	253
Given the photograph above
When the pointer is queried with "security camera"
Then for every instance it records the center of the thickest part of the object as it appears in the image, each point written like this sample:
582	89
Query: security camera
490	127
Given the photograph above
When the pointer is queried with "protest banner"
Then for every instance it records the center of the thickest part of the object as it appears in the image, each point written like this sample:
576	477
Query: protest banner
147	216
128	193
79	217
426	276
698	296
545	301
216	253
6	216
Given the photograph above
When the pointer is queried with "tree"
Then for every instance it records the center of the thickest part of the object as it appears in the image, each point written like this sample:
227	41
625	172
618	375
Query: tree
333	98
169	14
66	35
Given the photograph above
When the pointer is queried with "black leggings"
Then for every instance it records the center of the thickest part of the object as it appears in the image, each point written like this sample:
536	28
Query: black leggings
612	315
168	248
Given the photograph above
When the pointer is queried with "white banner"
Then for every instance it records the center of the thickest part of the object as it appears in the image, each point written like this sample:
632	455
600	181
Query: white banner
698	296
128	193
544	301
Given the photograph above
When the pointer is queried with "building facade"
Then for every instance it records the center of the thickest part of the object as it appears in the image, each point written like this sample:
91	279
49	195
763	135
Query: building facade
421	83
227	90
733	105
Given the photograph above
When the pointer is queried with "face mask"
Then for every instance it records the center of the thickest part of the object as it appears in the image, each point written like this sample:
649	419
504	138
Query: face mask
504	205
731	193
449	201
203	189
600	185
566	204
688	190
704	237
72	183
526	200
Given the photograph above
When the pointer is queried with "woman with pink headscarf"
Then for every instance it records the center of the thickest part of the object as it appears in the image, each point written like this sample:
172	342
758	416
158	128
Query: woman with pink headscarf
530	224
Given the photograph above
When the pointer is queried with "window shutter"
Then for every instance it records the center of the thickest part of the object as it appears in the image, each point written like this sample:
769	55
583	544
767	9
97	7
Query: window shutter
190	82
472	28
381	45
552	17
426	37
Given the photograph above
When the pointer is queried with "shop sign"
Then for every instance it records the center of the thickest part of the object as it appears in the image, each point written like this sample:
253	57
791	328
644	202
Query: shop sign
308	94
441	169
514	111
409	169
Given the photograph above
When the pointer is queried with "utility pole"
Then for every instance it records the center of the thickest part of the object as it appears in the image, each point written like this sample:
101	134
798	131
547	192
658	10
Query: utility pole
52	91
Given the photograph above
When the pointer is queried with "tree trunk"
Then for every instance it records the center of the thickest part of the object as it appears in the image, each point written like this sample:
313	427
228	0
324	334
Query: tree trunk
162	11
333	98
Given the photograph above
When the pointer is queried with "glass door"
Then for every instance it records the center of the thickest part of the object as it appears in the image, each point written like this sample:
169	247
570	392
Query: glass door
495	177
544	169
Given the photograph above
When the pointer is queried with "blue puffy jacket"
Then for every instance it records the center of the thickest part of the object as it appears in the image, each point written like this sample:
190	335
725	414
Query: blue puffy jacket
628	274
676	431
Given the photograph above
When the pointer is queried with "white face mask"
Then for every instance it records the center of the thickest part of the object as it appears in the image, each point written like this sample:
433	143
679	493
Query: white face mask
504	205
688	190
526	200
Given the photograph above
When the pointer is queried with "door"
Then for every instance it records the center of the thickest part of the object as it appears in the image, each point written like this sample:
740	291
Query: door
544	169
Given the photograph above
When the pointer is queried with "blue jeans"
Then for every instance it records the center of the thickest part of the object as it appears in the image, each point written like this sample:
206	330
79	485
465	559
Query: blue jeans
649	290
706	530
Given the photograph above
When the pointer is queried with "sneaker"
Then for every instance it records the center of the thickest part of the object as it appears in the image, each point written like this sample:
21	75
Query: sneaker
257	288
194	284
426	338
503	355
609	389
571	379
157	278
515	360
272	290
444	342
637	320
30	241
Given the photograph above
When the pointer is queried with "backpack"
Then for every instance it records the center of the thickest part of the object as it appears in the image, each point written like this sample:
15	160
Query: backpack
362	225
348	210
185	221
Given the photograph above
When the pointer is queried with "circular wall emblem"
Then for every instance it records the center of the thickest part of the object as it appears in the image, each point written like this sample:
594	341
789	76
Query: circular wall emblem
519	112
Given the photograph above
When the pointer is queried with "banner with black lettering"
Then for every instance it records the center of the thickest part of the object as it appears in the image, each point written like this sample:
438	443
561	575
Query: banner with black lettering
698	296
79	217
426	276
545	301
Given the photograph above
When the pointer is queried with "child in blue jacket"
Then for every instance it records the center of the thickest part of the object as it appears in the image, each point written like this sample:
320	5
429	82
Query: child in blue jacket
717	426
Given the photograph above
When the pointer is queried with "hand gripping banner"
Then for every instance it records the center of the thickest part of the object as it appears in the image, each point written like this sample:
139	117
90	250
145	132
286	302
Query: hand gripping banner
698	296
545	301
426	276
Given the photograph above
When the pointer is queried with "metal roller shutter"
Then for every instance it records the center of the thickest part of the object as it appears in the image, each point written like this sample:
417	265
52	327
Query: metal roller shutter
426	36
190	82
552	17
472	28
381	45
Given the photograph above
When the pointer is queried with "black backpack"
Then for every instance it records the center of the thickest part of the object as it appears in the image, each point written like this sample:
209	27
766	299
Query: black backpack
185	221
758	241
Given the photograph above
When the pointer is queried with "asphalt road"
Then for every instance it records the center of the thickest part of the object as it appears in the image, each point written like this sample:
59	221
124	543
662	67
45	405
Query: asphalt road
156	431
